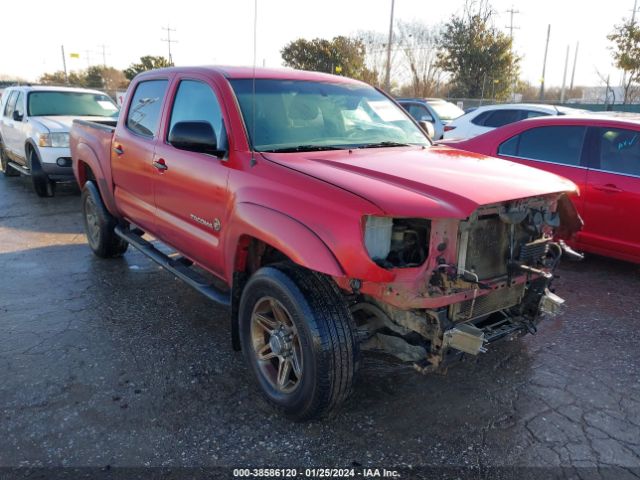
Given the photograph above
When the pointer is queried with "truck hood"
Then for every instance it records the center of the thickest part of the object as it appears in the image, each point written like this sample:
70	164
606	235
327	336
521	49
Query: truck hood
436	182
63	123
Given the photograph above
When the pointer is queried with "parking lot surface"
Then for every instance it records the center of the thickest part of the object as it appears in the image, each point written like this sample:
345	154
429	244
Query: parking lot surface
116	363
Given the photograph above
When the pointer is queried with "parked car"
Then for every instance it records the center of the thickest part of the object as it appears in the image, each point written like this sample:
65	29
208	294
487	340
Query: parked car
327	220
34	130
435	111
600	154
484	119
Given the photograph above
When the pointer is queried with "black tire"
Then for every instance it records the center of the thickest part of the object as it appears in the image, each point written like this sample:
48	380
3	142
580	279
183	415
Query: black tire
324	335
4	163
42	184
99	225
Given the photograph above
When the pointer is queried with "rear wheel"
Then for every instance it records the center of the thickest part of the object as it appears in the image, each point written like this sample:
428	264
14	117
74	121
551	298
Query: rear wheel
99	225
298	339
4	163
42	184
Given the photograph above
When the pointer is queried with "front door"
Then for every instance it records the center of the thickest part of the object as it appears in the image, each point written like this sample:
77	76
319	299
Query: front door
612	195
191	187
132	153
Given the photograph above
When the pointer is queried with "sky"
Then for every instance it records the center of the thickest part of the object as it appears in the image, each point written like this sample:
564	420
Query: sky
221	31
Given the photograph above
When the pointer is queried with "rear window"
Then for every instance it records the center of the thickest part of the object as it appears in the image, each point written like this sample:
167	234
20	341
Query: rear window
143	117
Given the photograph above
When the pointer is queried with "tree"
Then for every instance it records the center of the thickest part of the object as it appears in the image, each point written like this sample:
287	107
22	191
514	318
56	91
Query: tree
107	78
341	55
478	56
626	55
148	62
58	78
419	45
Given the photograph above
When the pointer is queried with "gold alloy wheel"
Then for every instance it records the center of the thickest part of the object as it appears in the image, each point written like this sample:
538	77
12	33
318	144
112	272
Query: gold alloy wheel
276	344
93	225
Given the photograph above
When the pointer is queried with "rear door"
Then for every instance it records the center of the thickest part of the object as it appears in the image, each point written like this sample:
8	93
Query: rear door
8	127
191	189
132	153
612	193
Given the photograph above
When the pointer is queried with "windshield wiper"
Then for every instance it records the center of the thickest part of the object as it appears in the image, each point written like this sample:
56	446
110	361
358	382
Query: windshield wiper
304	148
383	144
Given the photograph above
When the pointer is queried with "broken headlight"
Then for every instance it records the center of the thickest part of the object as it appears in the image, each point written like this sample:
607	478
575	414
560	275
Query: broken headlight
397	242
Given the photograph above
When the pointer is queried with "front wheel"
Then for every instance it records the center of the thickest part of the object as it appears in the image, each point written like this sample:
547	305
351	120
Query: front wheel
42	184
99	225
298	339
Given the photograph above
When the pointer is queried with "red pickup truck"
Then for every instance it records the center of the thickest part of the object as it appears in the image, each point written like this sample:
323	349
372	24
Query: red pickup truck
320	213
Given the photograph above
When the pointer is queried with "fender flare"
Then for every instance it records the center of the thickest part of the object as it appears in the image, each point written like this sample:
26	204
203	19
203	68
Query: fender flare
290	236
84	153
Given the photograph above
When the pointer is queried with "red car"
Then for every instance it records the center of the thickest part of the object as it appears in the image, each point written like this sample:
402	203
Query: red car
326	218
600	154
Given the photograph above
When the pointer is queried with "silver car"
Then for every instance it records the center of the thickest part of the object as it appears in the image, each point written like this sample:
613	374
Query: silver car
435	111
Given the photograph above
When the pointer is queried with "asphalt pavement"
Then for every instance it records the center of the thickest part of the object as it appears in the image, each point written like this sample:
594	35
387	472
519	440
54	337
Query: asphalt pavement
115	363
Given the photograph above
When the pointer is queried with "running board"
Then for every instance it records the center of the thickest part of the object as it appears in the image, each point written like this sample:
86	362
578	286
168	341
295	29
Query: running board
19	168
178	266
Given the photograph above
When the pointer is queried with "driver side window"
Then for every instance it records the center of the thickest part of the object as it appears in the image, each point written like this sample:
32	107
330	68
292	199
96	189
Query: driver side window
195	101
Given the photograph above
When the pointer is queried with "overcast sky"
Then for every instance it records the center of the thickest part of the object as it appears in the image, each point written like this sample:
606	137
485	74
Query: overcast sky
221	31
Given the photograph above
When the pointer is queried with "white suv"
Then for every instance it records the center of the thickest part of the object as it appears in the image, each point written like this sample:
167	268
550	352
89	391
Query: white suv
484	119
34	130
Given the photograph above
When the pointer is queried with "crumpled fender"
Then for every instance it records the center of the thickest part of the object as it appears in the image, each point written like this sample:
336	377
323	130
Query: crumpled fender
288	235
570	220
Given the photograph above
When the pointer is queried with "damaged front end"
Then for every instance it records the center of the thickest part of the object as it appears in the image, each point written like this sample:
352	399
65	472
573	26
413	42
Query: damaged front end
461	285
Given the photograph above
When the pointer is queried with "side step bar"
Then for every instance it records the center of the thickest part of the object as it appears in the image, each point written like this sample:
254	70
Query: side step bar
19	168
178	266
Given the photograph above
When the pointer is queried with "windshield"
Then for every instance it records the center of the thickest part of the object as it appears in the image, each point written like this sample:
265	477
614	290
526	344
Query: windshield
447	110
293	115
78	104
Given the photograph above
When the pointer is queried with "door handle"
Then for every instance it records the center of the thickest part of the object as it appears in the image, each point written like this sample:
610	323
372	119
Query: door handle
609	188
160	164
118	149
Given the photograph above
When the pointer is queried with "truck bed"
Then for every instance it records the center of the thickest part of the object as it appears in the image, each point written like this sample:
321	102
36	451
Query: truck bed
90	143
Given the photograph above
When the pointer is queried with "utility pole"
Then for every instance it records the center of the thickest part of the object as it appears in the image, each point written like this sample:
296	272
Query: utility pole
104	55
544	64
511	27
88	54
64	65
169	41
564	75
575	60
635	9
387	80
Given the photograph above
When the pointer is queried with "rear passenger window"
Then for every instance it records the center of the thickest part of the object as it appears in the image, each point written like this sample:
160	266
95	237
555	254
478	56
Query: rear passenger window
146	106
619	151
195	101
498	118
561	144
11	103
420	113
480	119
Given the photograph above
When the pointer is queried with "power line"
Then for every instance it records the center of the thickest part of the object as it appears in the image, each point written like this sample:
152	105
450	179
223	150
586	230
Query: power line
168	29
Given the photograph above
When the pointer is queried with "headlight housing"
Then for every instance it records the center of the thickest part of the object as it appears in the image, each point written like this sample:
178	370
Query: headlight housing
397	242
54	139
377	236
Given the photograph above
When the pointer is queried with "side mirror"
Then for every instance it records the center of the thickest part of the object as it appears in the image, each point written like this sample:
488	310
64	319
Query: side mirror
17	116
427	127
196	136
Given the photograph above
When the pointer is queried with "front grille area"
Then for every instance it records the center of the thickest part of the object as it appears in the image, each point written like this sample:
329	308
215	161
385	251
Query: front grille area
492	302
